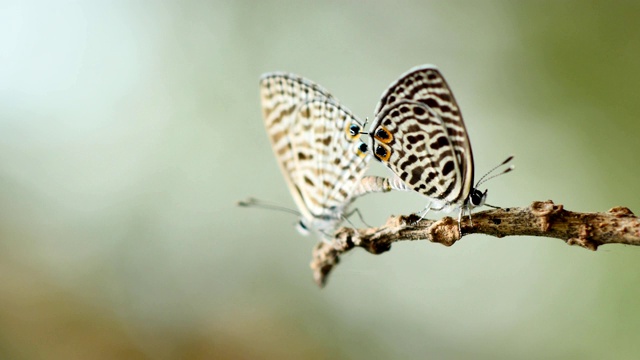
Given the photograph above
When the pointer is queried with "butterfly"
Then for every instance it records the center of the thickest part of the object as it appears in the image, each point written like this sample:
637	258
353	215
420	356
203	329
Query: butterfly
419	134
316	142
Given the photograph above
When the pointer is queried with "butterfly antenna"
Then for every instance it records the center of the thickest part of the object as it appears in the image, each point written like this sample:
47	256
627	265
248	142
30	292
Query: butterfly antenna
251	202
484	178
366	121
492	206
509	169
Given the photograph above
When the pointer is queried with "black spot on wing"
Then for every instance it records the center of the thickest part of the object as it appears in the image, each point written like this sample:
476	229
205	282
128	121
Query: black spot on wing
413	139
439	143
308	181
410	160
413	128
448	167
430	177
431	102
416	172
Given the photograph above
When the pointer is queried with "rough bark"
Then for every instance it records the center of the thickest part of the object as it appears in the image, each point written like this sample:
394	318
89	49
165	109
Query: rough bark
543	218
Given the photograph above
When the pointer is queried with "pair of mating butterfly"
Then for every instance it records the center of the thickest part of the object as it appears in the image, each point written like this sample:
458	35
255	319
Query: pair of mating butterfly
418	133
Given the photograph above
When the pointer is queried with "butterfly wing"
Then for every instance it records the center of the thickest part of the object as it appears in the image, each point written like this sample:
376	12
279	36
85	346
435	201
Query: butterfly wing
328	162
444	154
281	95
312	139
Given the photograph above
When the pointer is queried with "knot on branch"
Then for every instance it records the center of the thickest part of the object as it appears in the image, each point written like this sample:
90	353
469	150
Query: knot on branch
621	211
584	238
344	239
444	231
399	221
376	245
545	210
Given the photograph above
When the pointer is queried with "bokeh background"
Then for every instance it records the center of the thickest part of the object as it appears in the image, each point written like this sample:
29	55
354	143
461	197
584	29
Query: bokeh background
129	130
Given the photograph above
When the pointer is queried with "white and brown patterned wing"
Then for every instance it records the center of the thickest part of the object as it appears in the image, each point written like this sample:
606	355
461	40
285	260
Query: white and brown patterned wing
281	94
425	85
328	162
412	141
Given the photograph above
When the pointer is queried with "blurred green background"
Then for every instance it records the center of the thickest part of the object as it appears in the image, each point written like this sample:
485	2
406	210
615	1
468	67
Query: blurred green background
128	131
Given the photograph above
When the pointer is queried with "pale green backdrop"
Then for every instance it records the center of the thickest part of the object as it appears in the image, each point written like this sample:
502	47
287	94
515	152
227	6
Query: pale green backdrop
128	131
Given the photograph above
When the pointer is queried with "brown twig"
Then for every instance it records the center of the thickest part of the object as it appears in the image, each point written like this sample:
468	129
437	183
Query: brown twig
543	218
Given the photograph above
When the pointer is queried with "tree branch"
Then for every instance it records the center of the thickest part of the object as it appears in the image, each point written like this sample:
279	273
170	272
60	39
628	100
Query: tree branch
543	218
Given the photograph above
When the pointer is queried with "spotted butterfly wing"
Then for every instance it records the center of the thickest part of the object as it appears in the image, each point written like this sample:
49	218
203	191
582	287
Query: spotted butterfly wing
419	134
280	95
316	142
328	162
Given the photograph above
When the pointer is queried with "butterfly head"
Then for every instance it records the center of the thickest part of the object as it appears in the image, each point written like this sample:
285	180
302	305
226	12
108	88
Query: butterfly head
476	198
303	227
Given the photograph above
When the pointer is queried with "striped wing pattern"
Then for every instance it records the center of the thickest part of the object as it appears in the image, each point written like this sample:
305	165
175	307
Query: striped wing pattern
315	145
281	94
328	163
418	132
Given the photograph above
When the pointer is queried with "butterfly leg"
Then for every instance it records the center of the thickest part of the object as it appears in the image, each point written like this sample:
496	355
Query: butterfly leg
355	211
424	213
460	215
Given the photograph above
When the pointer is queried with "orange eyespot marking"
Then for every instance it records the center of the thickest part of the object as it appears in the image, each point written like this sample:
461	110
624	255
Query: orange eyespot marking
383	135
352	131
382	153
